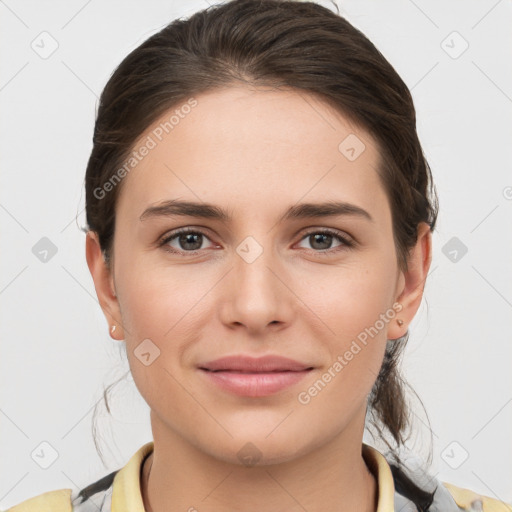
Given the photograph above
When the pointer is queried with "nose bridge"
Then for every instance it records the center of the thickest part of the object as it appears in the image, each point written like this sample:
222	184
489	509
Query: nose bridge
258	297
252	268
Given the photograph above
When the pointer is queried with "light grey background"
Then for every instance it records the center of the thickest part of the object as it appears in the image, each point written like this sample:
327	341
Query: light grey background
56	352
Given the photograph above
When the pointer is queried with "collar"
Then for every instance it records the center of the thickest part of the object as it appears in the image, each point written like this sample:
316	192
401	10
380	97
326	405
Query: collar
127	497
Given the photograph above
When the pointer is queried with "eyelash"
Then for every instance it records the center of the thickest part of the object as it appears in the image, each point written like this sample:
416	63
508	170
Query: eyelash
345	242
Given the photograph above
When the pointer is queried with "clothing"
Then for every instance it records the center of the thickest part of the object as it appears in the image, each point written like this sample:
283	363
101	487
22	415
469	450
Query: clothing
120	491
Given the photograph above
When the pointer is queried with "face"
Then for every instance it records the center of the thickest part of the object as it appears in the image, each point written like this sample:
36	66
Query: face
269	277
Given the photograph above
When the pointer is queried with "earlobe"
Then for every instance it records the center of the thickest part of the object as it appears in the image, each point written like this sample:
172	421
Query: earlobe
103	283
412	281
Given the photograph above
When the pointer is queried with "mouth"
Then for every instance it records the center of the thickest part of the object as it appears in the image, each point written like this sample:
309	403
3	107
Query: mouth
248	364
254	372
254	384
254	377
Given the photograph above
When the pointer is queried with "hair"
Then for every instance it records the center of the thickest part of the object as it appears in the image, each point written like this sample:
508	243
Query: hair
284	44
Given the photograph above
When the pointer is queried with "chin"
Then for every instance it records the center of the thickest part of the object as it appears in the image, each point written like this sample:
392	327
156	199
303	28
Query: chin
256	450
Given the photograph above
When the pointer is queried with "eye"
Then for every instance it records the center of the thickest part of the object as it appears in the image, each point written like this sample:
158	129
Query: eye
187	239
190	240
321	241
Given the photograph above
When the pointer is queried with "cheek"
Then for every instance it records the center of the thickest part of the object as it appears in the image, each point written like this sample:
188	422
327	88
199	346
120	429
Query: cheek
331	399
351	299
162	310
354	305
356	311
158	298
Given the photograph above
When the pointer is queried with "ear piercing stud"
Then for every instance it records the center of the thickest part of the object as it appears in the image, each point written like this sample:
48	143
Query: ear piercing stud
112	329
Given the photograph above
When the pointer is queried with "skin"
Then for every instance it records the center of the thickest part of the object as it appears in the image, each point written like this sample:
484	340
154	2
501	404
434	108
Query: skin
256	152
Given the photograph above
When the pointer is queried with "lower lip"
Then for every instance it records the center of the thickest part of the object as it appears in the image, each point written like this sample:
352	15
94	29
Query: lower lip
255	384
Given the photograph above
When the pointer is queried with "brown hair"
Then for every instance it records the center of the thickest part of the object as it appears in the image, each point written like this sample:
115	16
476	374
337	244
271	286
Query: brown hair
281	44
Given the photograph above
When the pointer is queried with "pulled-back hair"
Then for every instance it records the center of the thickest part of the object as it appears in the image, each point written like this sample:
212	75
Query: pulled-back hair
280	44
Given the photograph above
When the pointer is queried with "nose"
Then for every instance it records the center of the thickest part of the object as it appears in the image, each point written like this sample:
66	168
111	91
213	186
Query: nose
255	293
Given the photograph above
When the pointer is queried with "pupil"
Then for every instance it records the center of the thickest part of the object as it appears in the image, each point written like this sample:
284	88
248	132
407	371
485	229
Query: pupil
186	239
318	237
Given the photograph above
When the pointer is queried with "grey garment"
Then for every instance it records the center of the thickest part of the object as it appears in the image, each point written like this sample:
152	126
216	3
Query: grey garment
414	468
99	502
96	497
443	502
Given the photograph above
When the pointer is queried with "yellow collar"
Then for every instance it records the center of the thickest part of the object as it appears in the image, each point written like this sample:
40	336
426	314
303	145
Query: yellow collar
126	493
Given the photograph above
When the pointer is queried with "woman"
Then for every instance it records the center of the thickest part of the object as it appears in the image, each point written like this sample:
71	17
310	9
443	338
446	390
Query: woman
259	235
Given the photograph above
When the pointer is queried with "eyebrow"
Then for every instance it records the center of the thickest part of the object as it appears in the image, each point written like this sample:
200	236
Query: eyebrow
177	207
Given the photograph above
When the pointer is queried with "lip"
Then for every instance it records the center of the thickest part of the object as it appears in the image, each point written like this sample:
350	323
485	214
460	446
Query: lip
254	377
242	363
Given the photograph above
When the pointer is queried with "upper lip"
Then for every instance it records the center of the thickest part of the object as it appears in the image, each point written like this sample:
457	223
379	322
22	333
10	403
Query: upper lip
270	363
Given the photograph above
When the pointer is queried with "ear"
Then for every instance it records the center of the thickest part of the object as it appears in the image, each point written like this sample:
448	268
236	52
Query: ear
412	282
104	284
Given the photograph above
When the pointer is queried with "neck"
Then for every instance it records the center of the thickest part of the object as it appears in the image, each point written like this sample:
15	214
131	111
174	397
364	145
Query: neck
176	477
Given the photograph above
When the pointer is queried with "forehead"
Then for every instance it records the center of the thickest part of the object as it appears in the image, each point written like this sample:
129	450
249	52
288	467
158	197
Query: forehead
243	145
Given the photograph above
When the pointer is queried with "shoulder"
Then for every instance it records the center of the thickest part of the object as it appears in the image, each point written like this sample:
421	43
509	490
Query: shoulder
96	497
469	500
445	496
52	501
